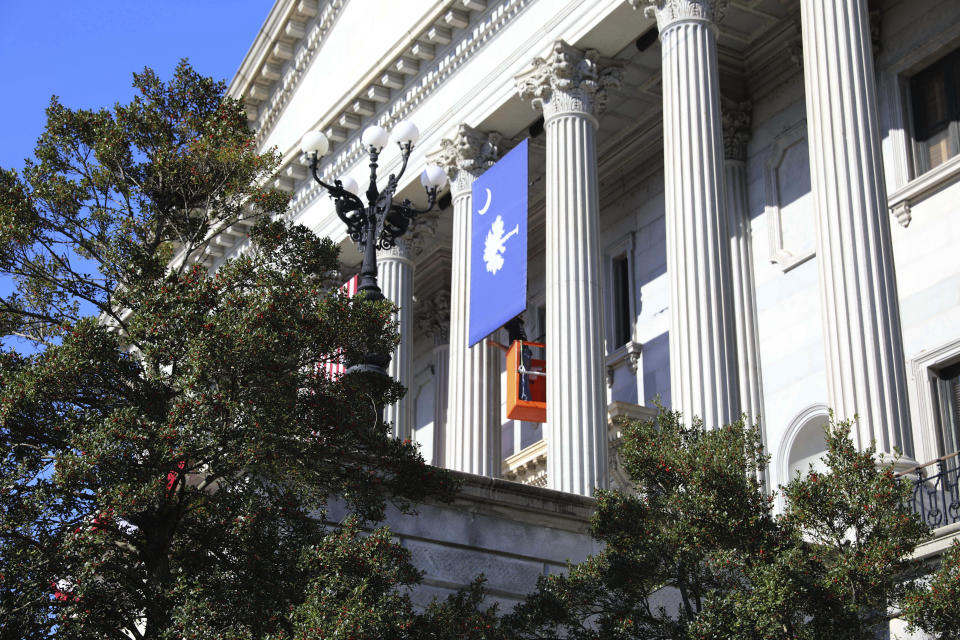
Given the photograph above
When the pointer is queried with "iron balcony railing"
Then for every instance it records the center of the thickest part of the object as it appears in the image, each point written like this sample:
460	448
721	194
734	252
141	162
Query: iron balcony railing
936	496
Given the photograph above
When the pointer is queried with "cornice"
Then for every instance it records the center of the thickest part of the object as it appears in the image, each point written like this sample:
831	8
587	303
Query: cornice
429	77
284	85
261	70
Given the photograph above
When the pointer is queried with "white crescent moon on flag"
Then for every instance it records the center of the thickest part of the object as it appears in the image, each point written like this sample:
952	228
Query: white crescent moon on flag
486	206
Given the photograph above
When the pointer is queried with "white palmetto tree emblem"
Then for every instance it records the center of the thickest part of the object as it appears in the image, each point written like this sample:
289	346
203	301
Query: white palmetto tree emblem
496	245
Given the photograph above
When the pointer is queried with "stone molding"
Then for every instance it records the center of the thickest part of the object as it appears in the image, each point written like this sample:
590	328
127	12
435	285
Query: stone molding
570	80
628	354
901	201
737	118
466	156
433	317
924	408
528	466
670	13
299	65
784	250
407	97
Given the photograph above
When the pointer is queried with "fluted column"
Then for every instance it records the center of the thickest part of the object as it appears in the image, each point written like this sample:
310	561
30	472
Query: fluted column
703	359
473	409
395	271
858	296
435	323
441	374
736	133
570	87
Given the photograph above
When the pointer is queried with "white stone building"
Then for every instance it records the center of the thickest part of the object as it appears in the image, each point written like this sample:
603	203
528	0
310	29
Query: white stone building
736	205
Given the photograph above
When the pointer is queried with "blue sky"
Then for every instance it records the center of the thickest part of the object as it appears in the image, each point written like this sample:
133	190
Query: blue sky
86	50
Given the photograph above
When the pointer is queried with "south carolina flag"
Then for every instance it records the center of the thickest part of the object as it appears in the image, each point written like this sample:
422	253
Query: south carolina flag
498	246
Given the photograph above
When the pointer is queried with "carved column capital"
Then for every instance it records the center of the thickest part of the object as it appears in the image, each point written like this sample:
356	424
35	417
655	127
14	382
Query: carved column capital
401	249
737	118
467	155
433	317
673	12
414	241
569	80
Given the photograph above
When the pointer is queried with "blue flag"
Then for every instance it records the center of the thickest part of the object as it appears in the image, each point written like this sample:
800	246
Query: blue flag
498	244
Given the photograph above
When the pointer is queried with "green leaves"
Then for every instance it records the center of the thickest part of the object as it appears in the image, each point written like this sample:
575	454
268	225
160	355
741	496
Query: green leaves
170	450
696	551
115	195
933	603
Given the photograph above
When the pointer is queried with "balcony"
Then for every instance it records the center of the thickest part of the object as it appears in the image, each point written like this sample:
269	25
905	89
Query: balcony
935	495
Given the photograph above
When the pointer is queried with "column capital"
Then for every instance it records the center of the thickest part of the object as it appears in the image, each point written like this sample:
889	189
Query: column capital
570	80
467	155
737	118
433	317
399	250
413	242
673	12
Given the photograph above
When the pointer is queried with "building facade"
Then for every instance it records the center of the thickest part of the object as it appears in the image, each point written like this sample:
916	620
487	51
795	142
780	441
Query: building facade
737	206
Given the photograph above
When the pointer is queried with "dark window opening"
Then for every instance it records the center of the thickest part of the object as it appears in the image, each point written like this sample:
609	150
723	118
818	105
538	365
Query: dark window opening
946	396
935	98
622	322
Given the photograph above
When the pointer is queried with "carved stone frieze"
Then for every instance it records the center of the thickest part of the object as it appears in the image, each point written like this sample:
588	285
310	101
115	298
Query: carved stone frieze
433	317
570	80
670	12
737	118
466	156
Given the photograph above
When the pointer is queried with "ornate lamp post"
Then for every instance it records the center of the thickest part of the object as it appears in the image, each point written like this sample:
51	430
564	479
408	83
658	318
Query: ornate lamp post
378	222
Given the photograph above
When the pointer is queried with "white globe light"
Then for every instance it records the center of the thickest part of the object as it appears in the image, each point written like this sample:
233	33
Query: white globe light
350	185
405	132
433	177
375	137
316	142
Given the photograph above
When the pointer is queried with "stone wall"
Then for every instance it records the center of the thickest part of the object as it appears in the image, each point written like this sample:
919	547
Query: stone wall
510	532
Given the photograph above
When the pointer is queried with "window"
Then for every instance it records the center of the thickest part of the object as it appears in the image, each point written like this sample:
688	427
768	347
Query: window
619	304
541	332
622	321
935	100
945	391
936	401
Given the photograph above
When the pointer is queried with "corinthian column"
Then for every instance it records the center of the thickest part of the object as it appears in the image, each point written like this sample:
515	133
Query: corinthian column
858	296
473	409
736	132
435	323
703	359
396	281
570	86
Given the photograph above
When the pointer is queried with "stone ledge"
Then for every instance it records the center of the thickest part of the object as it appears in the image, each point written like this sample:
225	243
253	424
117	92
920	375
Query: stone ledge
940	540
555	509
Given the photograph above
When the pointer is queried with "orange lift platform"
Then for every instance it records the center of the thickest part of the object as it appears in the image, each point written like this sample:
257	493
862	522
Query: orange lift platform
526	383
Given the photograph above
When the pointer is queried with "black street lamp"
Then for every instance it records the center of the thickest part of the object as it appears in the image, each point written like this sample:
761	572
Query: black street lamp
381	221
